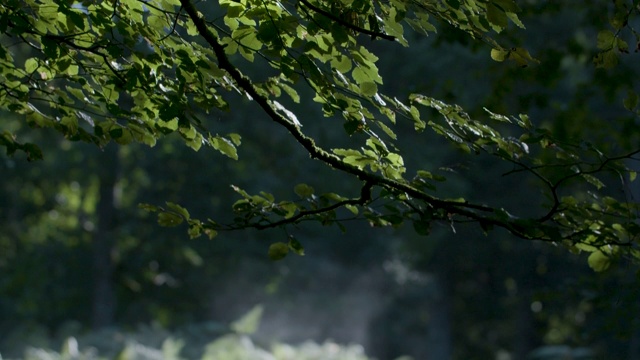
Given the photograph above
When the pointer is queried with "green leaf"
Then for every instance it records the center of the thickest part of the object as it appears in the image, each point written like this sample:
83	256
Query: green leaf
289	209
631	101
248	323
73	70
359	75
179	210
235	138
507	5
211	233
499	55
606	59
352	208
169	219
593	181
293	94
339	33
368	88
192	256
76	19
428	175
422	227
278	251
296	246
31	65
341	64
33	151
606	40
225	146
622	45
148	207
189	132
195	230
303	190
497	17
522	57
168	126
599	261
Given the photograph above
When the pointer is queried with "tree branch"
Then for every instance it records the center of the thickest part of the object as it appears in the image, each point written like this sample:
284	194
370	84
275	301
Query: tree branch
347	24
365	196
464	209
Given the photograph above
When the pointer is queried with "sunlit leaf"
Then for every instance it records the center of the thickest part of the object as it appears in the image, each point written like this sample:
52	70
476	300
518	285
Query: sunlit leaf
225	146
599	261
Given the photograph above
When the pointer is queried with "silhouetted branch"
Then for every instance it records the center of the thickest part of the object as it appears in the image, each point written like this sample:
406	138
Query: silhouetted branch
347	24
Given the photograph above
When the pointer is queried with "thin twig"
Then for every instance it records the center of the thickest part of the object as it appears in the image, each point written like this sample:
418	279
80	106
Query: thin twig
347	24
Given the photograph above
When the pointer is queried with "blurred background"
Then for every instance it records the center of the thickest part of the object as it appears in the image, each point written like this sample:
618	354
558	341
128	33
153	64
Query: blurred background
82	266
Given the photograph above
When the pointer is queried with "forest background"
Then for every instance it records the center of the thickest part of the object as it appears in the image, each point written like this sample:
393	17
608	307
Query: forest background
77	253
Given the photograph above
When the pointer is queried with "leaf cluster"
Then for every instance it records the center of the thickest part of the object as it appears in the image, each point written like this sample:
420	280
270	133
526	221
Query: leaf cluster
135	71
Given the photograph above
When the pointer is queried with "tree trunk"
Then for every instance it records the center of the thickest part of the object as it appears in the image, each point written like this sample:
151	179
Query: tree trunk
527	281
524	327
439	338
104	300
